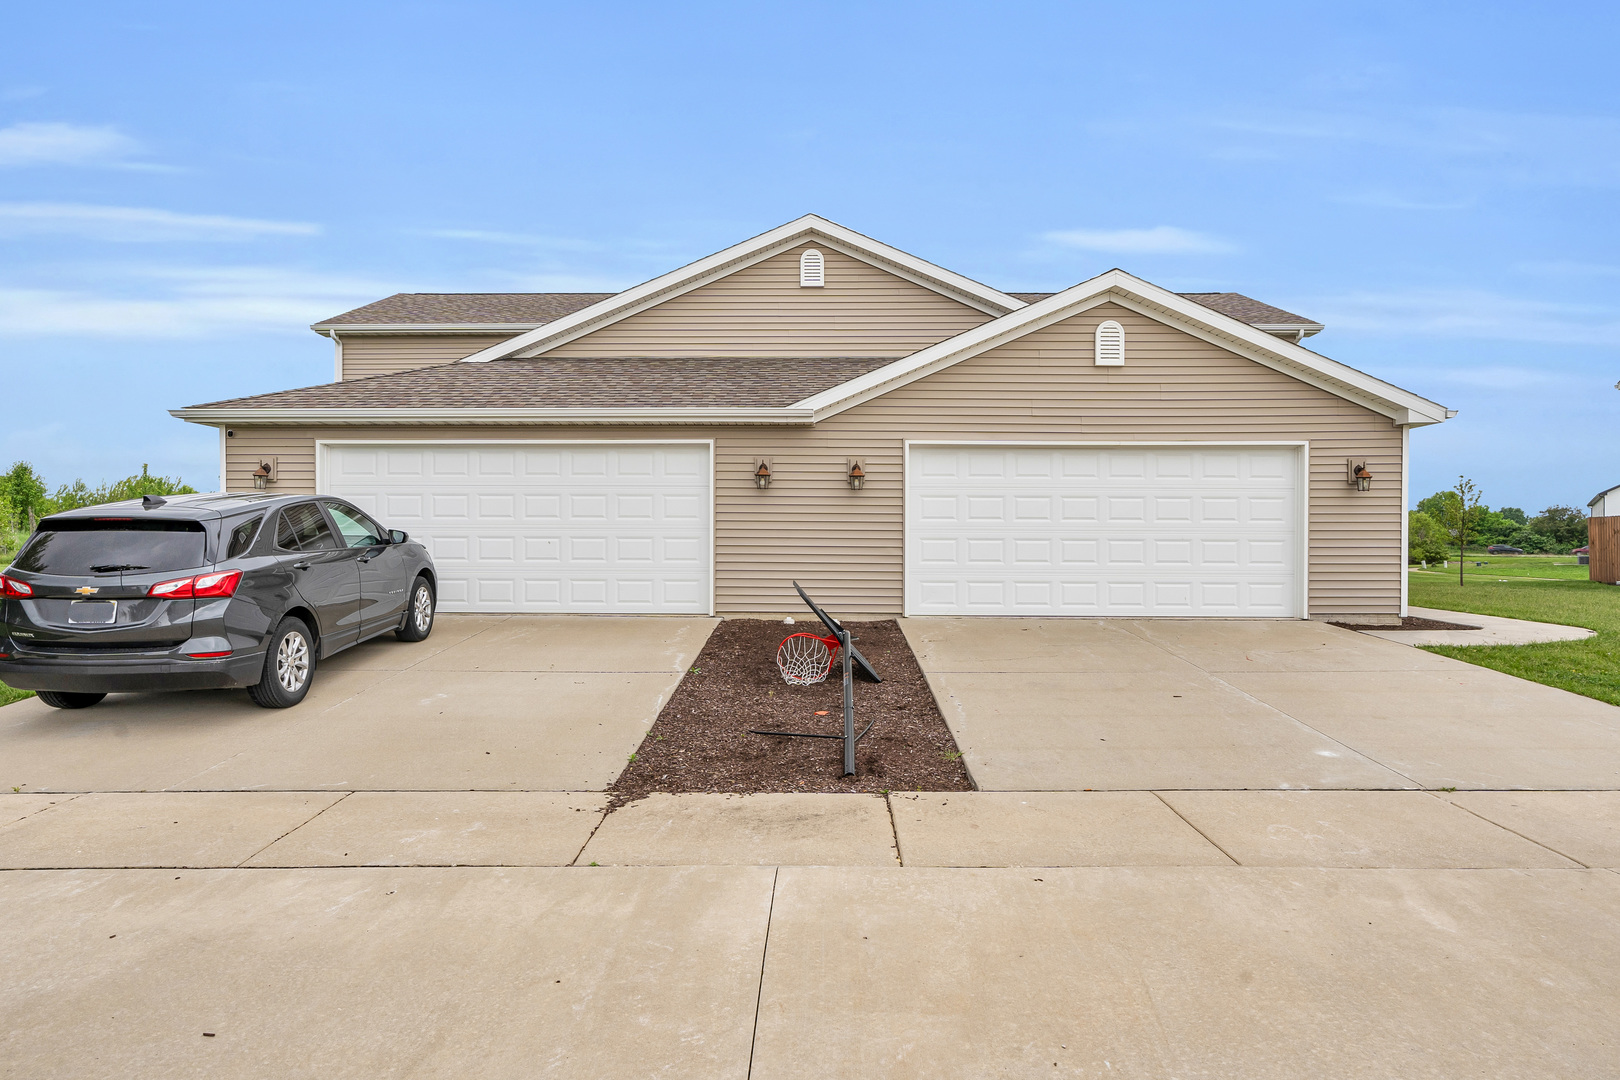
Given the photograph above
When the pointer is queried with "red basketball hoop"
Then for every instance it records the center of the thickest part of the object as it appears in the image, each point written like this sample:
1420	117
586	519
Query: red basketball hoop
805	659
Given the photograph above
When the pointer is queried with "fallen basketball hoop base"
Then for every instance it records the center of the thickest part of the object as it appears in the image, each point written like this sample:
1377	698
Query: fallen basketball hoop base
851	660
702	740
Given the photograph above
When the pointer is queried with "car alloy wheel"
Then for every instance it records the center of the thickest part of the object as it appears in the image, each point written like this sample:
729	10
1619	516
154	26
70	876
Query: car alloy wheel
292	662
422	609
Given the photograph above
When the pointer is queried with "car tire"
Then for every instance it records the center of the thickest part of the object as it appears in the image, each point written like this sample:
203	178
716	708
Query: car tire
59	699
289	667
419	612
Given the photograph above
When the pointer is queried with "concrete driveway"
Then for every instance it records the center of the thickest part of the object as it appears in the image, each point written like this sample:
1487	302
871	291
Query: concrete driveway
313	896
1173	704
503	703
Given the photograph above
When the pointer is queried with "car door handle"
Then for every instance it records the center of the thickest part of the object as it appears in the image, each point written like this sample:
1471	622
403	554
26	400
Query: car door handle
301	565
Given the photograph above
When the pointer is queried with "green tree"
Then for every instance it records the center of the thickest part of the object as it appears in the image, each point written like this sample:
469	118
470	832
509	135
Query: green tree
1461	513
1565	526
1514	514
24	494
1531	541
77	494
1425	538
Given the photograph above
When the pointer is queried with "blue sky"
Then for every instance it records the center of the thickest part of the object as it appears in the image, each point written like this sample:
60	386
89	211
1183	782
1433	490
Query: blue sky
185	187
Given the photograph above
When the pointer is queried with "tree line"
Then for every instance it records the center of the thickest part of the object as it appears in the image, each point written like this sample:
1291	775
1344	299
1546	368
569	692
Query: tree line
24	497
1447	519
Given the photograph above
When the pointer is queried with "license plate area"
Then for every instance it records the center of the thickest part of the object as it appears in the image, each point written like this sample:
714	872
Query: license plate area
93	612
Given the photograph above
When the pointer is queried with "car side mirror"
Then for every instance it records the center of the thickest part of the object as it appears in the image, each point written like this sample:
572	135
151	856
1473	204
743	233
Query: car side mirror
398	536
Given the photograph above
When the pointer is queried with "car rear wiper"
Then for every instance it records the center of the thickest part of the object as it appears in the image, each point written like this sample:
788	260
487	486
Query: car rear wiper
107	568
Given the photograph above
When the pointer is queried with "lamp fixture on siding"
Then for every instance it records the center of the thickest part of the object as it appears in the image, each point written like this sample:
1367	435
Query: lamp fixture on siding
1355	473
762	475
857	476
264	475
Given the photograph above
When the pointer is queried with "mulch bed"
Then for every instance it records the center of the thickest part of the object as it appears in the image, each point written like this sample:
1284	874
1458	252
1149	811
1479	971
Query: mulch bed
1411	622
701	740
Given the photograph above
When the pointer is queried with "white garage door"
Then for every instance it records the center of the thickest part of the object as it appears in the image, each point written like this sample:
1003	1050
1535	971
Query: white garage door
586	527
1084	531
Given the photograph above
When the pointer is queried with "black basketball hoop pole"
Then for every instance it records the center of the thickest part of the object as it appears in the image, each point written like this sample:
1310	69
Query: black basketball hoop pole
852	660
849	704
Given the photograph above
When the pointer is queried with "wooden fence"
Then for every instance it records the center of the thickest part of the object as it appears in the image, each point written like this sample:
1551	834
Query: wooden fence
1605	540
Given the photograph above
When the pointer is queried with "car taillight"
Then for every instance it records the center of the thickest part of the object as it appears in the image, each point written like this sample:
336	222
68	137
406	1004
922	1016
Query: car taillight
221	584
178	589
208	655
14	588
203	586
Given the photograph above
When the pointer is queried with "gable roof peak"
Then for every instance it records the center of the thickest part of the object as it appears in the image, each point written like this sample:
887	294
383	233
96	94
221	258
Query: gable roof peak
739	256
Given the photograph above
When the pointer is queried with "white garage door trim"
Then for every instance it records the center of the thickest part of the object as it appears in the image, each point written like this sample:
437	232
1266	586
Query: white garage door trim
1302	515
322	474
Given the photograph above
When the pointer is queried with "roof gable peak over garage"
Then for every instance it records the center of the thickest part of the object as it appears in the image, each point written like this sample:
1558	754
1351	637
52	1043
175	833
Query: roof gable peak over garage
826	237
1116	286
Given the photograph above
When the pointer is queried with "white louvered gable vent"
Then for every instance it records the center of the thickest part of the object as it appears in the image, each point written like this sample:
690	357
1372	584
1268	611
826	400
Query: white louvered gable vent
1110	344
812	270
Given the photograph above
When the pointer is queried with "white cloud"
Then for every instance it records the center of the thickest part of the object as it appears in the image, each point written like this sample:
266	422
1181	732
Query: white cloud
34	143
1505	147
1159	240
181	302
1502	377
1469	314
488	236
128	223
1387	200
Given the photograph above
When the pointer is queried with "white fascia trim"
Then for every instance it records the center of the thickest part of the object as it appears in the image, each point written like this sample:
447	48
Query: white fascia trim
737	257
1116	286
497	416
328	329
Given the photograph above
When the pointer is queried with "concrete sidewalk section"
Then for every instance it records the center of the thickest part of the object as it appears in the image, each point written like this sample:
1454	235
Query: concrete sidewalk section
749	830
1493	630
490	973
1215	972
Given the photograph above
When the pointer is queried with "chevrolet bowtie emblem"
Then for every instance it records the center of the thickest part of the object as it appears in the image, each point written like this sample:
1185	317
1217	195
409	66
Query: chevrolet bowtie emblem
85	590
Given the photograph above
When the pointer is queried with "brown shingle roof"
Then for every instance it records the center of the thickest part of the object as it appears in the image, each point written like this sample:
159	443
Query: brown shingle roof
1240	307
586	382
537	309
1244	309
481	309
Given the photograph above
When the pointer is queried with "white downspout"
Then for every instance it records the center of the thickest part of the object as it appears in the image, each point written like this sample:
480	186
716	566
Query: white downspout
337	356
1406	521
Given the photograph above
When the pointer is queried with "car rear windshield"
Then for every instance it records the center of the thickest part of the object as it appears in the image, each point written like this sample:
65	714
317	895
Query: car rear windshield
79	546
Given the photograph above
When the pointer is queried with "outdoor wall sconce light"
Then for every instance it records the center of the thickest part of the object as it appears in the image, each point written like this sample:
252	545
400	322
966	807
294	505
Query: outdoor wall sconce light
857	476
264	475
1356	473
762	475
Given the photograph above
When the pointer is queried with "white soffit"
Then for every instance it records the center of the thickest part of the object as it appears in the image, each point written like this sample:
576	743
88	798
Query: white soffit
1128	291
738	257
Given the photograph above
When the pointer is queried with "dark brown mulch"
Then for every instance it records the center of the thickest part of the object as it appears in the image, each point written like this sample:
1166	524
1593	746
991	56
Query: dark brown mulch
1410	622
701	741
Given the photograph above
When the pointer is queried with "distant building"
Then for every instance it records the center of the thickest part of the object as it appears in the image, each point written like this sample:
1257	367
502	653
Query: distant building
1605	503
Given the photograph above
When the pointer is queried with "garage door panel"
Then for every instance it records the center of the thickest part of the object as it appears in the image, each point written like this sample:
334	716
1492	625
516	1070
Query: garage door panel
583	527
1174	531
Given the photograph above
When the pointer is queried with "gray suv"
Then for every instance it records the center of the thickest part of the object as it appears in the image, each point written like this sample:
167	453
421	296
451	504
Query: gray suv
204	592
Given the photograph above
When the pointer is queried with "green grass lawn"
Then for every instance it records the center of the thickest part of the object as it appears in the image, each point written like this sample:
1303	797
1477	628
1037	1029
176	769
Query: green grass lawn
1590	667
1560	567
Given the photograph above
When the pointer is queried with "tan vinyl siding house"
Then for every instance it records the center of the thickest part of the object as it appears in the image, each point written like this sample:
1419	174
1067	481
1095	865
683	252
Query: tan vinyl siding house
761	311
367	354
1043	388
1194	382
